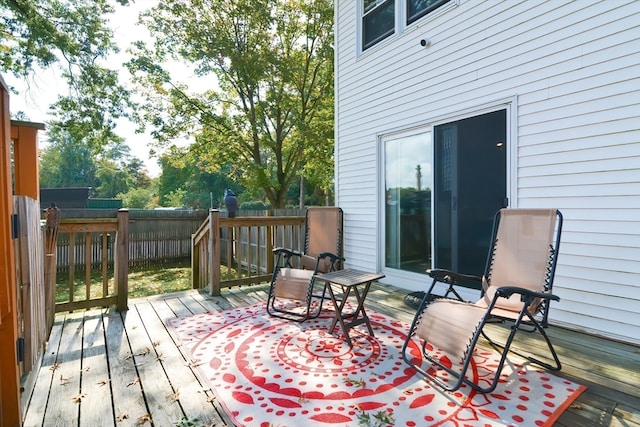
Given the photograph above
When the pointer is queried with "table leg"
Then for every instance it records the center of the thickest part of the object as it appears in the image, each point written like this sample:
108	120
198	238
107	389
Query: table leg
338	308
360	308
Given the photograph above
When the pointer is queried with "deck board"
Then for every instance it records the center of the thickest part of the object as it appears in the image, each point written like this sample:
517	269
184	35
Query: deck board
192	396
127	396
149	375
159	393
38	404
94	379
63	407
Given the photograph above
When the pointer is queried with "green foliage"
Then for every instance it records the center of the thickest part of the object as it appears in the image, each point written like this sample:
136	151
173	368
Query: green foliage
255	205
89	112
138	198
187	182
75	36
175	198
266	103
38	32
66	163
378	419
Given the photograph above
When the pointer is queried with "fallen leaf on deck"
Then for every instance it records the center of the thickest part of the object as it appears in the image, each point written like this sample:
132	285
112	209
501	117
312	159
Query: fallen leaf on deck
144	352
78	398
146	418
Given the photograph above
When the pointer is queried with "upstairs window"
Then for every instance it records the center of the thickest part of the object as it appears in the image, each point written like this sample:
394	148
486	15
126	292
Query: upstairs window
416	9
378	21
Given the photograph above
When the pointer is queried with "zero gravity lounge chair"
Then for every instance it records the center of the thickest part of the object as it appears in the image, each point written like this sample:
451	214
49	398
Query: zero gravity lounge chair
322	253
516	284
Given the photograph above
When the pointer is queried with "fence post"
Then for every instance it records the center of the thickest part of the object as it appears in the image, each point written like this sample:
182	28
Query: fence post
121	274
195	264
214	252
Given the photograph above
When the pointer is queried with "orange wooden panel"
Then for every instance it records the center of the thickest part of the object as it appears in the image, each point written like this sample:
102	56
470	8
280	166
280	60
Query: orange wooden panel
10	412
25	151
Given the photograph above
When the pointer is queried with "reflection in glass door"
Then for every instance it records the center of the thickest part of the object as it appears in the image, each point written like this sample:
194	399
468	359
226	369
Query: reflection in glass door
470	187
407	209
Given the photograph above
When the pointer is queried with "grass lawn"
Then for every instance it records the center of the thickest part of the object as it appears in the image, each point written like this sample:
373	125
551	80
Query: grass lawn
159	280
143	281
152	280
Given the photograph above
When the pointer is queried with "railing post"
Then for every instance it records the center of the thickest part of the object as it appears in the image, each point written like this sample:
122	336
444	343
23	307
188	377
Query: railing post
214	252
121	275
195	264
269	245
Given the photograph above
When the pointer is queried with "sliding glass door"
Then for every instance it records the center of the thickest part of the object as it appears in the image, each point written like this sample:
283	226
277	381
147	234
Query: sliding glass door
462	166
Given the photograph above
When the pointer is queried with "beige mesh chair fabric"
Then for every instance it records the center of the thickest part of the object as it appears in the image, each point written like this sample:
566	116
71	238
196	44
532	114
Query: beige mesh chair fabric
520	258
517	284
293	284
448	333
292	278
323	233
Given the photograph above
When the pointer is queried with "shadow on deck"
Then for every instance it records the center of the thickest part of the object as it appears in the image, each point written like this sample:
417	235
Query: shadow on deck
105	368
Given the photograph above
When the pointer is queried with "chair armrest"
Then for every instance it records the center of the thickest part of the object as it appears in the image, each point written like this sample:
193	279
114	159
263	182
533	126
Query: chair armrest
333	260
288	252
332	256
451	277
526	294
284	255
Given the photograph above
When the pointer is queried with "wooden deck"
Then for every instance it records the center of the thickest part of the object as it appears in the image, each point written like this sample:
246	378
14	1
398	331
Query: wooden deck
104	368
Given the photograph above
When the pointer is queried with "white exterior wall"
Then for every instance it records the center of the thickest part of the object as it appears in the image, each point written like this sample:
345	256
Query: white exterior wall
569	72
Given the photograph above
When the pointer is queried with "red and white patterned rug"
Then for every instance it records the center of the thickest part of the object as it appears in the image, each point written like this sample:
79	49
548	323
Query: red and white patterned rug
272	372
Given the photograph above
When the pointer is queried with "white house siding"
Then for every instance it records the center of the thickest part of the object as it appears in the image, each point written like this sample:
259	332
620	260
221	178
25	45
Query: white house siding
570	72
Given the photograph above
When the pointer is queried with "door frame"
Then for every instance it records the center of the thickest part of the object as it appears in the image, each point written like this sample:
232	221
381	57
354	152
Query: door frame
416	281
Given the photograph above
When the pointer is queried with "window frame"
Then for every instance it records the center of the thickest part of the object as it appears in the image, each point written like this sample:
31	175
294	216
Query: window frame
401	22
376	9
411	19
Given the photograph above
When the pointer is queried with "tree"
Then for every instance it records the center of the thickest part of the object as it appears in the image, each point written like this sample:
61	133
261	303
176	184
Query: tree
67	163
268	110
185	183
138	198
75	35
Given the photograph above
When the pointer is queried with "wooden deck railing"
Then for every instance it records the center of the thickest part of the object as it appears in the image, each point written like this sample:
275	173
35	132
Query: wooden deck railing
89	230
239	251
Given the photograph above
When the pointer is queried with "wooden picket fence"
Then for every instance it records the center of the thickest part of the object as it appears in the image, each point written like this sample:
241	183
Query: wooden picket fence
82	256
155	237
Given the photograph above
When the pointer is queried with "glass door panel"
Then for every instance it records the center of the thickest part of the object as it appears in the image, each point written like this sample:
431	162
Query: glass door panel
407	210
470	186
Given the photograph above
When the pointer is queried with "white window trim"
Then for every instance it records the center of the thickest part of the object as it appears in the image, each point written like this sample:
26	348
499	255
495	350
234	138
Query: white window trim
416	281
400	25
